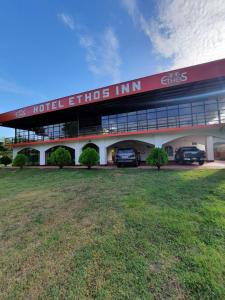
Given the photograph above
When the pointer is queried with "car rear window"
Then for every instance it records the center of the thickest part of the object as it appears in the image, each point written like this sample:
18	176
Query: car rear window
189	149
127	151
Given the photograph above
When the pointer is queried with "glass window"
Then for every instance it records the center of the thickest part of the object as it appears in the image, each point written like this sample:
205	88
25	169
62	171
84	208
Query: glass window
112	119
169	150
173	122
122	127
198	109
221	104
132	126
173	112
211	107
140	112
132	117
184	109
198	119
151	115
142	116
122	119
222	116
161	113
104	118
142	125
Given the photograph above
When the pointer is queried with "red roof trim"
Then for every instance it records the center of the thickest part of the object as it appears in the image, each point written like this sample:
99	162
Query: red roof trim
92	137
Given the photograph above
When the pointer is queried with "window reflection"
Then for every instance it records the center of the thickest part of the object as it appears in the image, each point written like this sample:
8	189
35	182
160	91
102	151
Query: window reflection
210	111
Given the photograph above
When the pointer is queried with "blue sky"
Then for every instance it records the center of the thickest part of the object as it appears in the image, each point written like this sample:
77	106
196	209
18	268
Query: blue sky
50	49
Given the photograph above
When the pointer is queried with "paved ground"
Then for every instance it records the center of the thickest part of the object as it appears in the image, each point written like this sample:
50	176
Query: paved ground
208	165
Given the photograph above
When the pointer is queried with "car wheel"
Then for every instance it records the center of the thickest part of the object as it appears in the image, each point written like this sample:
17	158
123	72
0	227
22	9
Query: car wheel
201	162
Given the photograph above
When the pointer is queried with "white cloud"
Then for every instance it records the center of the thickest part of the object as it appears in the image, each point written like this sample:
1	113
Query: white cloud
185	31
102	54
67	20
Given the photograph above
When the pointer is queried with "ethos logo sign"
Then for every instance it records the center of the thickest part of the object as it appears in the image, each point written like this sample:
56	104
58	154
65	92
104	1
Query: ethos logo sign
174	78
20	113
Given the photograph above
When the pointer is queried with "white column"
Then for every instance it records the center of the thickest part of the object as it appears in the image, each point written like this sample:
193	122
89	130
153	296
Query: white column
78	151
103	154
158	142
15	151
42	157
209	148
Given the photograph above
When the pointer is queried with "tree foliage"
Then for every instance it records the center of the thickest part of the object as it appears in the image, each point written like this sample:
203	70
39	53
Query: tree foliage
20	160
60	157
5	160
157	157
89	157
2	147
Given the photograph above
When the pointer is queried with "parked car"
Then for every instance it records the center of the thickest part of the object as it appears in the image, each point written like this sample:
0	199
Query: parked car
126	156
189	154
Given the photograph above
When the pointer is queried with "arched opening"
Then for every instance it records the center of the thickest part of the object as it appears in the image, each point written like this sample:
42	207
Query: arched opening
187	141
50	150
91	145
219	150
141	148
169	150
33	156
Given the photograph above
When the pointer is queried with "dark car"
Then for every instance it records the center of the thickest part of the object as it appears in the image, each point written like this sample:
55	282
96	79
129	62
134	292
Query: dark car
189	154
126	156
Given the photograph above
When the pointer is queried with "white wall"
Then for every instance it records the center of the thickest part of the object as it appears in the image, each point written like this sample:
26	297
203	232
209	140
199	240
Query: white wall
186	138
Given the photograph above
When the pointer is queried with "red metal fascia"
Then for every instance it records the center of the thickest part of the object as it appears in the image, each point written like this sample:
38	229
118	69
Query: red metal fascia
196	73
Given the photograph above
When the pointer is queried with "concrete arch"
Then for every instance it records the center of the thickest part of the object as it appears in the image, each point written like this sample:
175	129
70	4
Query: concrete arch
219	148
199	141
27	147
91	145
32	154
142	147
150	139
54	147
203	132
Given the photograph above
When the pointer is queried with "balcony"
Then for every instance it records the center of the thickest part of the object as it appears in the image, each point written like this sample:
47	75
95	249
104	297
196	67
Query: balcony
205	113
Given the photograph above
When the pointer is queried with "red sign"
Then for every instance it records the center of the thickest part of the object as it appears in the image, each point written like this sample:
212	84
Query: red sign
186	75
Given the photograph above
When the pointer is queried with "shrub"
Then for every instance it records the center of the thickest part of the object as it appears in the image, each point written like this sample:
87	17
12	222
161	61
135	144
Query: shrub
89	157
2	148
157	157
20	160
60	157
5	160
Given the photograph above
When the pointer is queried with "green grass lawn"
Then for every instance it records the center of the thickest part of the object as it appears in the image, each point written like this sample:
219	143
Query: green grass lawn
112	234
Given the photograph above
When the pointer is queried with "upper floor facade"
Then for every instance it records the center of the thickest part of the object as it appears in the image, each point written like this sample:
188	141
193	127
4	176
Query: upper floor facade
187	98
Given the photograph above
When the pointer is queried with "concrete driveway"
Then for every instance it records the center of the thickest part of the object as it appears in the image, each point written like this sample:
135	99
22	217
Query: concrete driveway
217	164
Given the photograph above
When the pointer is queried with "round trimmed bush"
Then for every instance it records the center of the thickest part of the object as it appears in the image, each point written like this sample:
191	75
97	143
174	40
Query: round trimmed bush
60	157
20	160
157	157
5	160
89	157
